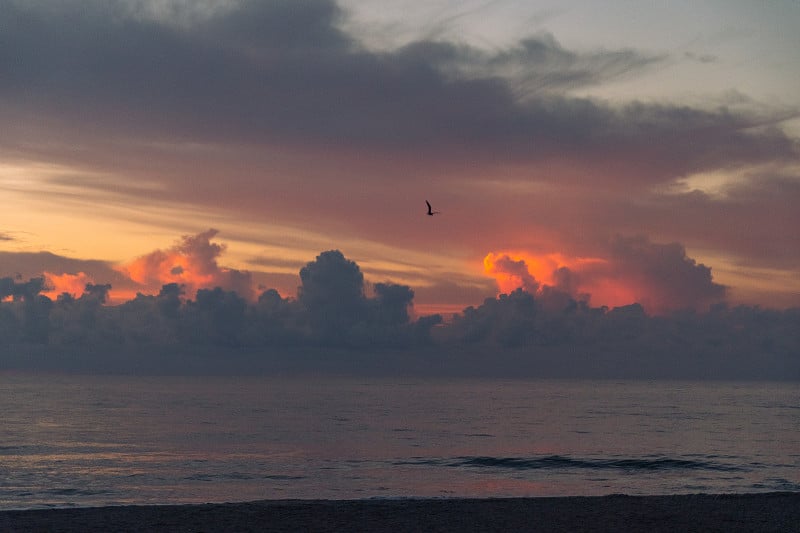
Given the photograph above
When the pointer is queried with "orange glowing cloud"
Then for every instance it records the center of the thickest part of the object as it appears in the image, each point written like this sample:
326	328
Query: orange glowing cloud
513	267
192	262
510	272
661	277
582	278
525	270
73	284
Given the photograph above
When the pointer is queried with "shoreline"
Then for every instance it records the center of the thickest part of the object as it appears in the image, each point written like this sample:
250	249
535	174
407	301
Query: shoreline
771	511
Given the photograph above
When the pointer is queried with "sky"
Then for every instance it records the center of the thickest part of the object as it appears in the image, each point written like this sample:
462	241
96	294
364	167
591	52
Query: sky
621	152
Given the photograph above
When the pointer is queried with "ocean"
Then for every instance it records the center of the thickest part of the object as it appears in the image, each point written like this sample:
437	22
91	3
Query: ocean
110	440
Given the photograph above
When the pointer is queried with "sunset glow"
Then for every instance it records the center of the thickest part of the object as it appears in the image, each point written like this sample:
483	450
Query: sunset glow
398	250
619	280
192	263
73	284
649	165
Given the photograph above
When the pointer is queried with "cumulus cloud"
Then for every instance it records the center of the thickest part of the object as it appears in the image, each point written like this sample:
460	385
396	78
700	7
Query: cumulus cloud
73	284
333	293
392	302
668	278
661	277
331	310
340	313
21	290
510	273
192	263
526	337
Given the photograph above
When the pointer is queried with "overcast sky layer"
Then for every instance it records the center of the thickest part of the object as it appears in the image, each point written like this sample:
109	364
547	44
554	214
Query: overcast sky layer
621	152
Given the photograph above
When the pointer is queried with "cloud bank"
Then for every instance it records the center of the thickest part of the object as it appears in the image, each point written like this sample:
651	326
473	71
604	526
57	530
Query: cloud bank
333	325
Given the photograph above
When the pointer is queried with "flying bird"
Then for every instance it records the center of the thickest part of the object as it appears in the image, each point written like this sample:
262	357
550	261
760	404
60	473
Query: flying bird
431	212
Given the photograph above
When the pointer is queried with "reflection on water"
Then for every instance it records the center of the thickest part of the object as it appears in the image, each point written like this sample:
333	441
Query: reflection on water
99	440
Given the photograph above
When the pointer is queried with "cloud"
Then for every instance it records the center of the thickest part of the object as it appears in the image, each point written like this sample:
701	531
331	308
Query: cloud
244	74
538	64
509	273
525	336
533	67
279	126
340	314
332	326
215	317
391	303
333	293
746	216
21	290
267	112
661	277
666	278
73	284
772	199
192	263
64	273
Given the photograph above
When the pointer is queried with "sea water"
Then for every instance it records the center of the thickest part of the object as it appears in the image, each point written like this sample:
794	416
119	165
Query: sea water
106	440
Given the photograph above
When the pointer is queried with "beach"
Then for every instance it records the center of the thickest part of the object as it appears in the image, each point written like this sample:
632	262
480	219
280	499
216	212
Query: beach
777	511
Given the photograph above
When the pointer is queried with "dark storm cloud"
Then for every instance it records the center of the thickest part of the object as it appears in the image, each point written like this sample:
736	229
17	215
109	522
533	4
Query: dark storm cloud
283	72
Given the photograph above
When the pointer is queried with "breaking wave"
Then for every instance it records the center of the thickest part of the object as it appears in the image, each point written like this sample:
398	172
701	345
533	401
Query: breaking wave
556	462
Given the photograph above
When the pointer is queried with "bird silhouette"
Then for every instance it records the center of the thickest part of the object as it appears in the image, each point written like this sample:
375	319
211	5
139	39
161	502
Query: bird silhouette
431	212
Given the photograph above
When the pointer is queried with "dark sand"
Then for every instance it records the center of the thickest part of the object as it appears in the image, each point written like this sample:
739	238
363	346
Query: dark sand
779	512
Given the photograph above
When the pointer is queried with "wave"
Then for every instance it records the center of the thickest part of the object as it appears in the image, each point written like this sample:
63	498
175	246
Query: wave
240	476
560	462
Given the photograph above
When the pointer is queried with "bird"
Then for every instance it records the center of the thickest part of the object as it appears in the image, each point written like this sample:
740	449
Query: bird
431	212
